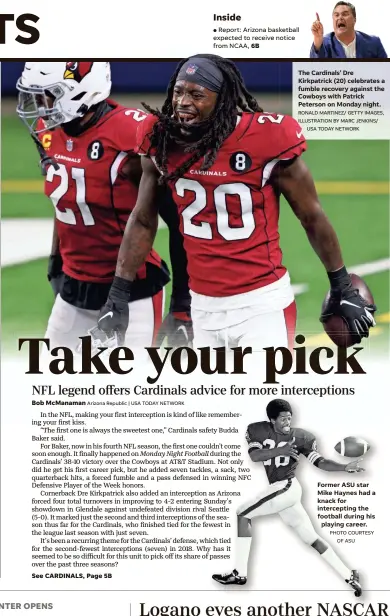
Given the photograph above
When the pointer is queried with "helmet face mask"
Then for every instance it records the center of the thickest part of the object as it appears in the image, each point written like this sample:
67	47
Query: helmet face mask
38	102
60	92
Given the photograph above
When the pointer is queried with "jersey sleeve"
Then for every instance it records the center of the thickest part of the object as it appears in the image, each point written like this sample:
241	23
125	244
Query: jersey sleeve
128	122
254	437
309	449
284	136
144	133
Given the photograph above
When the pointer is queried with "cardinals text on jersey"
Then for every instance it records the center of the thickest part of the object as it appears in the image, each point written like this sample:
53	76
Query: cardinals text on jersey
229	213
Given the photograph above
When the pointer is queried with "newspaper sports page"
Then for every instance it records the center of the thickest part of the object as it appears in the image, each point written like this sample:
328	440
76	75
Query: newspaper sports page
195	309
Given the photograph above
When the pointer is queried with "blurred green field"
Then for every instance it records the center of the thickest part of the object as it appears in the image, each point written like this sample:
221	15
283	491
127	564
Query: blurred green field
340	169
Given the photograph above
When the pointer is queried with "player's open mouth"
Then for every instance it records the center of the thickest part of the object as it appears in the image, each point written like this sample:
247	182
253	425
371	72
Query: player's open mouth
341	25
186	117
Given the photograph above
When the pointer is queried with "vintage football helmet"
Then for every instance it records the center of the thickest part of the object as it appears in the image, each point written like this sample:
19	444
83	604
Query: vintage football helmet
59	92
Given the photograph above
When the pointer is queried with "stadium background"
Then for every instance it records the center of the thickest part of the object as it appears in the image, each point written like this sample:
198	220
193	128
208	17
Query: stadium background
352	179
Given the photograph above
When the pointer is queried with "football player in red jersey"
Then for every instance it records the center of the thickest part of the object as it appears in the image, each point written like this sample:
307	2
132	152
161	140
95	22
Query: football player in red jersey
227	162
92	174
278	446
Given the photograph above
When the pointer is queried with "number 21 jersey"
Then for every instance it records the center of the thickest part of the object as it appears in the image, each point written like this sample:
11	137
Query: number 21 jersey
92	197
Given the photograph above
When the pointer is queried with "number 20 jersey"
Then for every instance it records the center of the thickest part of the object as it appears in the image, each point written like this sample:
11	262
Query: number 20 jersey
229	213
261	435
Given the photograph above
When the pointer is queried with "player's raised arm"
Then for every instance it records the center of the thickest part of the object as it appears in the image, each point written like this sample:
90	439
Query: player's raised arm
317	31
140	231
296	183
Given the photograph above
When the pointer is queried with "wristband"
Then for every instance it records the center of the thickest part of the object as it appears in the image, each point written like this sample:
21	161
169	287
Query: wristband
120	290
340	279
180	302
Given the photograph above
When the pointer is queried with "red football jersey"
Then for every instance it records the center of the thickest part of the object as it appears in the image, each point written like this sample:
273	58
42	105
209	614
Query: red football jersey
92	199
229	214
261	435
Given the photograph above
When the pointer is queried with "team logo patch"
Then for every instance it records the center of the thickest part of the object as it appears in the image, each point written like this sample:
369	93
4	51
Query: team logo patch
95	150
69	145
77	70
191	69
314	446
240	162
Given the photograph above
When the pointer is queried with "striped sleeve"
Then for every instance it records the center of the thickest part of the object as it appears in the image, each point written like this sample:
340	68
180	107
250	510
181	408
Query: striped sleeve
254	445
253	442
311	453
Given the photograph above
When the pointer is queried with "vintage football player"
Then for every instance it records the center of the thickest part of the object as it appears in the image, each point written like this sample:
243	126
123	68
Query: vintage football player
87	144
227	162
278	446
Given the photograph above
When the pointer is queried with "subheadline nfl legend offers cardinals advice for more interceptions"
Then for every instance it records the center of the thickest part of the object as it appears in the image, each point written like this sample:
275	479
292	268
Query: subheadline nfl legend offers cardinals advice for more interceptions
278	446
87	146
226	162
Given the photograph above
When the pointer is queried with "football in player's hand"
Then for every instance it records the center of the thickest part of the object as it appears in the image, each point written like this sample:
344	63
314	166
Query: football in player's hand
352	447
335	326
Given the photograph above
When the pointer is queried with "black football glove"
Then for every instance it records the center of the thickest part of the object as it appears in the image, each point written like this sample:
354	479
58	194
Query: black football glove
55	274
114	316
177	329
345	301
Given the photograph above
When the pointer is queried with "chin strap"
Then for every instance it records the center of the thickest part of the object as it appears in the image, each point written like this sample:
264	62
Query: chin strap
45	160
